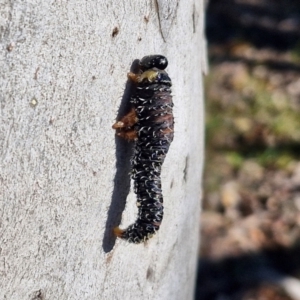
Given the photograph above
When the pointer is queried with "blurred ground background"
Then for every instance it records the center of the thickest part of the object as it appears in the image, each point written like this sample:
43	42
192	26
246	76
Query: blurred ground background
250	244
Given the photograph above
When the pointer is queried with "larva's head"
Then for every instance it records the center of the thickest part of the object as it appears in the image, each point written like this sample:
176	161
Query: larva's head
153	61
154	76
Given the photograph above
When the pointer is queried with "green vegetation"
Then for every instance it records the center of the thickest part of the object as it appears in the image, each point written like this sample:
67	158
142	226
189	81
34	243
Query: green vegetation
249	115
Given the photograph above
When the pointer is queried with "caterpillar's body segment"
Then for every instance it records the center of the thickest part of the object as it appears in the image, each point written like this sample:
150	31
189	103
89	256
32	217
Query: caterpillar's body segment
150	124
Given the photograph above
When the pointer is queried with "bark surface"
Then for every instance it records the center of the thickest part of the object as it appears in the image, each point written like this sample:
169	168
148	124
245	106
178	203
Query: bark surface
64	181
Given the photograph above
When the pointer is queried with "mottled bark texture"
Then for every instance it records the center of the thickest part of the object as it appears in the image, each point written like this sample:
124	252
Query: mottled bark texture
64	176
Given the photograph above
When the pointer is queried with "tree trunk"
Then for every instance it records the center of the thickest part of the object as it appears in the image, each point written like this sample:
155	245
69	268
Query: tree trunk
63	173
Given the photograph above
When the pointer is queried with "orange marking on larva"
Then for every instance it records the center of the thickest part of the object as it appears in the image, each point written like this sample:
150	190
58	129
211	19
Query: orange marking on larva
133	77
118	232
127	121
118	124
168	118
167	130
129	135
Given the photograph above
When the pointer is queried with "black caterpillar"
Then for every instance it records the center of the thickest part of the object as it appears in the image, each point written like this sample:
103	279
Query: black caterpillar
150	123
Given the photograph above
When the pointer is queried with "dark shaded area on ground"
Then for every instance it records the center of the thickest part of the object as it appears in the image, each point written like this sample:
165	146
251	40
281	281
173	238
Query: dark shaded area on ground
234	277
262	23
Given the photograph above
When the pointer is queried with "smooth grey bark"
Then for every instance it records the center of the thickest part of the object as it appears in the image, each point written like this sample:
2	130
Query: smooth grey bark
63	174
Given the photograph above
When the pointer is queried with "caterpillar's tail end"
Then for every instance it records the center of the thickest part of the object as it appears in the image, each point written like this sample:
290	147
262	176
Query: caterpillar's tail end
137	233
118	232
